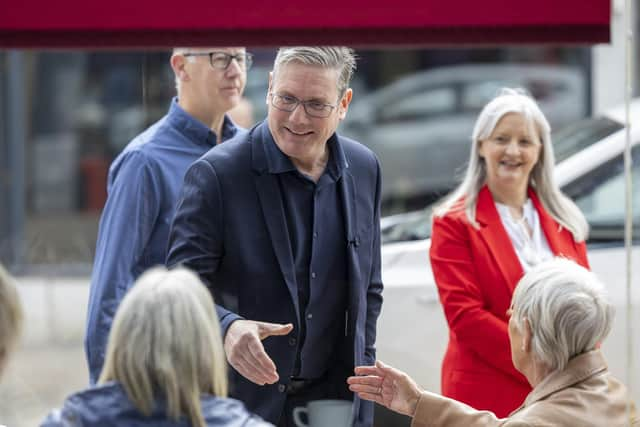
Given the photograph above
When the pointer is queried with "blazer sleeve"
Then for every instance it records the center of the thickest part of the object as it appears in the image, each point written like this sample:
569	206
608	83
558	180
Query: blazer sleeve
434	410
196	239
462	295
374	291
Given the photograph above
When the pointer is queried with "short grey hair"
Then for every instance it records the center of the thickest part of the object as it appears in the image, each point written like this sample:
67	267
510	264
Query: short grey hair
559	206
11	315
339	58
181	51
166	341
567	308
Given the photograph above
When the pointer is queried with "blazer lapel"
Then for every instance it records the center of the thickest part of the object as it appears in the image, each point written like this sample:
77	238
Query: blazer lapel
348	192
273	210
497	240
552	230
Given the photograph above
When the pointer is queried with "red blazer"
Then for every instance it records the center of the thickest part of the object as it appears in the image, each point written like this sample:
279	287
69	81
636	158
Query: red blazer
476	271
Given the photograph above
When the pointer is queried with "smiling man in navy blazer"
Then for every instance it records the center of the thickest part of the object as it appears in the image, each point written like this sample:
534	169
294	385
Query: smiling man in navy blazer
282	224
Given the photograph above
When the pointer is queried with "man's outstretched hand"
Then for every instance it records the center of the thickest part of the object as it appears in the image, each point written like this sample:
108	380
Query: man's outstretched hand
245	352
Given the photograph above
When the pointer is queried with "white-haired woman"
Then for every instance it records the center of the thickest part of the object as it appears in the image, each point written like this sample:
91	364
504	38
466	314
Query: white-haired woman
507	215
165	365
559	314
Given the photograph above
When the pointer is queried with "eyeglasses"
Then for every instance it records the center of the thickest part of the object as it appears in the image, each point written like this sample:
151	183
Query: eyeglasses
289	103
221	60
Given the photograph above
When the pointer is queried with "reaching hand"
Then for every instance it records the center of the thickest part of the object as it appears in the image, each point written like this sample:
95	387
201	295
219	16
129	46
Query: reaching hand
245	351
387	386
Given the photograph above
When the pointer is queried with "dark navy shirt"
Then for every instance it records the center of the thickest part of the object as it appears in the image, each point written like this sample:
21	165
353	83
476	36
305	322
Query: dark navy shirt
143	187
315	223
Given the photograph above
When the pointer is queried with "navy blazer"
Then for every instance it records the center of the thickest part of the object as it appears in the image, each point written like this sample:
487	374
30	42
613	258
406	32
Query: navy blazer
230	227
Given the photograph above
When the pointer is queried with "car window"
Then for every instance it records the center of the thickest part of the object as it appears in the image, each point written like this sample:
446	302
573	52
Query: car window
476	95
418	228
577	136
600	195
419	105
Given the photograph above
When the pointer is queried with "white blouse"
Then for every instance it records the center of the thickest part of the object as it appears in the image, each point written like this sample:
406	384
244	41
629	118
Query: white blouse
531	249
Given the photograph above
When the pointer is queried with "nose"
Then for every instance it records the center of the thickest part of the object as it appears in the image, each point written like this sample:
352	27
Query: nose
233	69
513	147
298	115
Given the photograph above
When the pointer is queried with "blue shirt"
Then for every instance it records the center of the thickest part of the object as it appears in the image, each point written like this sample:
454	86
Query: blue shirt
143	187
315	223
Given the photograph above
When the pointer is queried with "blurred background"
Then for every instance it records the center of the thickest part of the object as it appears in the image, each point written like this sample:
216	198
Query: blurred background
65	115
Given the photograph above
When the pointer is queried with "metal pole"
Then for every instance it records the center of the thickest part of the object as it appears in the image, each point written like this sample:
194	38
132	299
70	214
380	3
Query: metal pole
628	229
16	139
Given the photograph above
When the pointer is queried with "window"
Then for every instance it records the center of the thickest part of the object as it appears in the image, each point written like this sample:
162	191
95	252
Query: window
600	195
420	105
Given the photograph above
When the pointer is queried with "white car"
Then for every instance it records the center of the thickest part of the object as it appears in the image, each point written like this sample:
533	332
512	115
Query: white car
412	331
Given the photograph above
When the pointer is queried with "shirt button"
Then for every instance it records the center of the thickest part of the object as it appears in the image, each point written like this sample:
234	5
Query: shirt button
313	275
282	388
309	316
292	342
315	235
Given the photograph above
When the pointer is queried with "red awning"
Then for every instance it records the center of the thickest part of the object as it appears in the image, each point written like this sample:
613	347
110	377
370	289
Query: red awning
146	23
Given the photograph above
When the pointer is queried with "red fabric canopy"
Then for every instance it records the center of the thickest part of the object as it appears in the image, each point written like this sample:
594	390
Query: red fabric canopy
144	23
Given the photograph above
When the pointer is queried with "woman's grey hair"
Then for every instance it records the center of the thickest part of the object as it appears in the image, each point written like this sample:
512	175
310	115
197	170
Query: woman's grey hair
166	341
11	316
567	308
341	59
559	206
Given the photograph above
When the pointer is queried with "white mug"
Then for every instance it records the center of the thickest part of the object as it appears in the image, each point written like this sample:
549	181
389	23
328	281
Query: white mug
325	413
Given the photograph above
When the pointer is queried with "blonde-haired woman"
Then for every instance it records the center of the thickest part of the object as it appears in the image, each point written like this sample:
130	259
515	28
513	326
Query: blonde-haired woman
10	316
165	365
506	216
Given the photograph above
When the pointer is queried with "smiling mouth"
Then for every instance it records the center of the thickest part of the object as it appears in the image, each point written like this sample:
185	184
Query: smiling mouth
298	133
511	164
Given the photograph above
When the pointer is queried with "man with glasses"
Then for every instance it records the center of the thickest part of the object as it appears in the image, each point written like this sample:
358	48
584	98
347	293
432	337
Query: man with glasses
145	179
282	224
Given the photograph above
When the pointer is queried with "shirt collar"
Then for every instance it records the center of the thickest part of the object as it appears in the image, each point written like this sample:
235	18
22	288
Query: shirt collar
278	162
195	130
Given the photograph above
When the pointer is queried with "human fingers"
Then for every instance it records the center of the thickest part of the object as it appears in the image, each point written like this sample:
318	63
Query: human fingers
371	389
365	380
266	329
257	356
367	370
246	365
368	391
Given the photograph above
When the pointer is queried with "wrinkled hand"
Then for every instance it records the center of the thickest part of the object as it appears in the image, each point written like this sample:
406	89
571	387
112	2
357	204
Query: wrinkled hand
245	352
387	386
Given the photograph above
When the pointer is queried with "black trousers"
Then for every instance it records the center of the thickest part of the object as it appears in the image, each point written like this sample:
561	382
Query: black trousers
301	395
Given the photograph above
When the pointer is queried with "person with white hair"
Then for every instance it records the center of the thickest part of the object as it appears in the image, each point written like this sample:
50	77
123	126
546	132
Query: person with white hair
507	215
145	179
11	316
559	315
165	364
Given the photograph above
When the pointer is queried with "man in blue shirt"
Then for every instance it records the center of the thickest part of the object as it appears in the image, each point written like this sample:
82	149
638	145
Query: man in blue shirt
145	179
282	224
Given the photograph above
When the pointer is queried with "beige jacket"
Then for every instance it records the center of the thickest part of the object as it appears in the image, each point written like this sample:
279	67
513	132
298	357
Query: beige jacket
583	395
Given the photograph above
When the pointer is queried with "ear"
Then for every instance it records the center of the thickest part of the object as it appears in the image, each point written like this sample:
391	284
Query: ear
269	89
178	64
343	106
481	149
526	335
